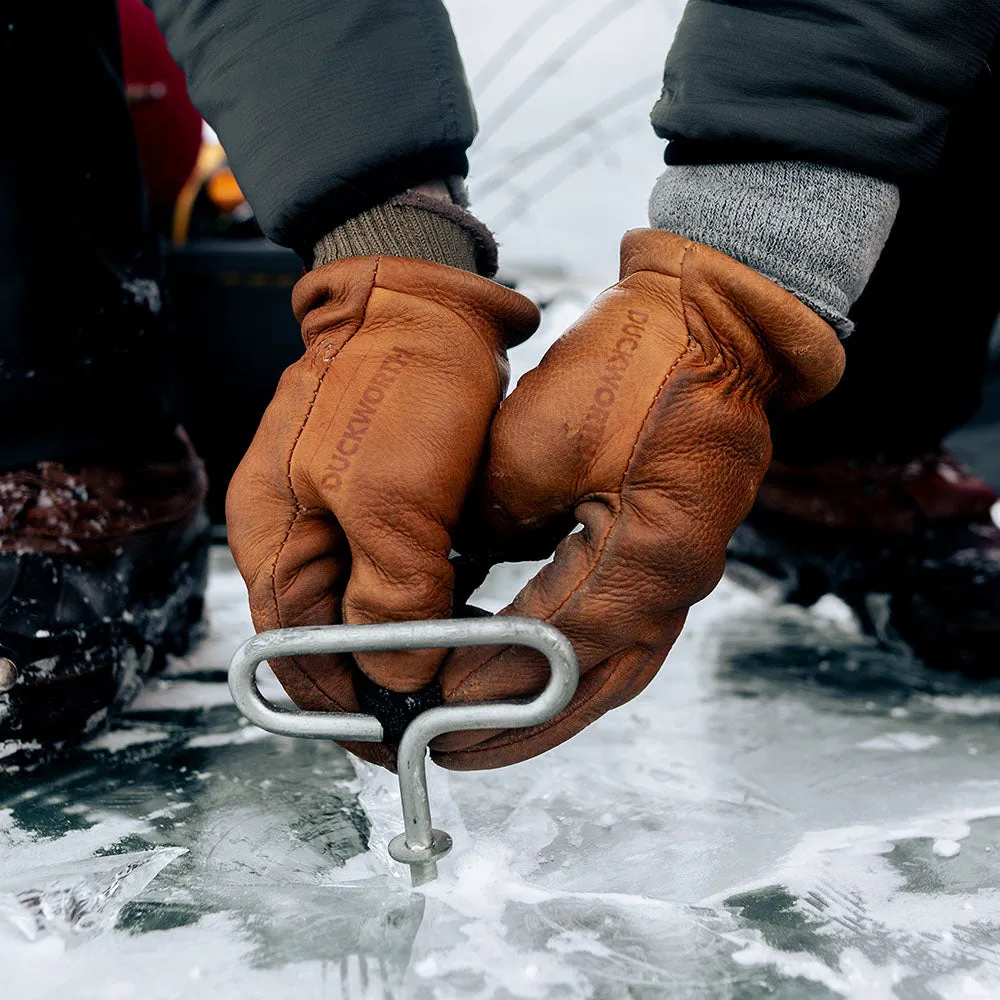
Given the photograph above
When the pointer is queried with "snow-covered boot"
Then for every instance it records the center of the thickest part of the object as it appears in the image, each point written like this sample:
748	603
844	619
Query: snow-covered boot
911	546
102	573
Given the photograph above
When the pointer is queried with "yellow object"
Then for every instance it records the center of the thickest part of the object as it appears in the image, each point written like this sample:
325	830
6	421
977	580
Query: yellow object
211	173
224	191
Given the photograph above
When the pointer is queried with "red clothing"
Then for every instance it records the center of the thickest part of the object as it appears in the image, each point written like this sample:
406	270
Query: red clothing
167	126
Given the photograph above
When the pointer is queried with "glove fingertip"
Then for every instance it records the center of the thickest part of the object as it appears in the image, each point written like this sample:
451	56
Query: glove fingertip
402	671
393	709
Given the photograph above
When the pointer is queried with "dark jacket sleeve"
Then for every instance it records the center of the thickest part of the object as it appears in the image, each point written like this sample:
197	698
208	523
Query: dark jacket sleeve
863	84
325	107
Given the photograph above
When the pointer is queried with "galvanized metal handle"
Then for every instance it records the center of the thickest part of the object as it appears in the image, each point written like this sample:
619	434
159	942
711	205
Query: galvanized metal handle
420	845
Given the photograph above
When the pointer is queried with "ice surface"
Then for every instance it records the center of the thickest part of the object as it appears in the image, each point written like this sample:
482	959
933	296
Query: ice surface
751	826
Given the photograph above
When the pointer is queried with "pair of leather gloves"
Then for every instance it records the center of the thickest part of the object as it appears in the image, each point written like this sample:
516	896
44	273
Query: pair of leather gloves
646	424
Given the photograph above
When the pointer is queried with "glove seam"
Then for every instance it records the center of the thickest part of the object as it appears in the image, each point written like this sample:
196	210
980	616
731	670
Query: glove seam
616	518
291	485
779	364
488	319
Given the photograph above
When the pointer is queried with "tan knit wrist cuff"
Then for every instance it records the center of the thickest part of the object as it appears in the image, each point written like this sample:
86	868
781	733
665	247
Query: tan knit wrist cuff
414	225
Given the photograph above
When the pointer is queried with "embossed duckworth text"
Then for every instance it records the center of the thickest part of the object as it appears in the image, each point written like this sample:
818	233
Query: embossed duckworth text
610	381
364	413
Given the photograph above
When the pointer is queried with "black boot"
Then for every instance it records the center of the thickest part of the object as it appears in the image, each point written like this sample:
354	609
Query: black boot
102	574
910	546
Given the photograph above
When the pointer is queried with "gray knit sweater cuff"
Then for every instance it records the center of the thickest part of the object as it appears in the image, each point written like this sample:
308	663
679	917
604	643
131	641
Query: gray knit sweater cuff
414	225
815	230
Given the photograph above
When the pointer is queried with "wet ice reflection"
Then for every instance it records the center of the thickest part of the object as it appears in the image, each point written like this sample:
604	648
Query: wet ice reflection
787	811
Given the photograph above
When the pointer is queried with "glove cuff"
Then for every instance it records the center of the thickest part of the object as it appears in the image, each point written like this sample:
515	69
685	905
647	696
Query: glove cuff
798	357
417	226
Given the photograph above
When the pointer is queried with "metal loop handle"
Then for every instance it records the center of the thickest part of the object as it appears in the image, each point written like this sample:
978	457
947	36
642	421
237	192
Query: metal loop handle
420	846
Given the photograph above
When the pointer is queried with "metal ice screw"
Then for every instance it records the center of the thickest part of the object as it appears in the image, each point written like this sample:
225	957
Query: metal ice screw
420	845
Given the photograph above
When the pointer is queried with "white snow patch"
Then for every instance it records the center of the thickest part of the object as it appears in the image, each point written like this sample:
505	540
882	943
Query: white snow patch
913	742
512	970
167	812
844	875
945	848
966	704
167	695
23	851
118	739
855	976
840	850
982	983
245	734
832	609
10	747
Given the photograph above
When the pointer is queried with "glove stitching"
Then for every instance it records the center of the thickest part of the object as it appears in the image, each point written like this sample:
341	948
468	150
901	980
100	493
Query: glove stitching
779	365
512	736
571	711
299	507
489	319
601	545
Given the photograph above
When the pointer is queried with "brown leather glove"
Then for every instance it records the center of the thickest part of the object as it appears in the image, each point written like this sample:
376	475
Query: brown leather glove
647	424
343	507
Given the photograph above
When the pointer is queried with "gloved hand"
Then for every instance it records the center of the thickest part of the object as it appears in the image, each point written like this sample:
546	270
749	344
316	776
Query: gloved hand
343	507
647	424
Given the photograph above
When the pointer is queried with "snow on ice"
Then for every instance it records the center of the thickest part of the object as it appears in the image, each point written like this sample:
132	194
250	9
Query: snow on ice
729	834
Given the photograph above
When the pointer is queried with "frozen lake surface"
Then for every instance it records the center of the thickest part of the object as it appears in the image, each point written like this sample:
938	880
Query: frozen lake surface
785	812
